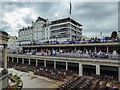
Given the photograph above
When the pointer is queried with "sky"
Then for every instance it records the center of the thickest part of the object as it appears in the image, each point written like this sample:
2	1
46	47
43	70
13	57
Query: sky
96	17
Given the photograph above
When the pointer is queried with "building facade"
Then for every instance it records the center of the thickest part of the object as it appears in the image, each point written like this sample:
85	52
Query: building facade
12	42
43	30
65	29
25	35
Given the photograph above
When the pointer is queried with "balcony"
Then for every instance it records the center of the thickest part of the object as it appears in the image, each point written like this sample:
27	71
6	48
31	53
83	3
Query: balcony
65	28
60	33
59	28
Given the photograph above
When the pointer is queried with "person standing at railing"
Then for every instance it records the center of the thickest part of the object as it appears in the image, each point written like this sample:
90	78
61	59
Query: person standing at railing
42	52
78	51
106	55
51	52
86	51
47	52
35	51
61	51
57	52
83	52
54	53
114	52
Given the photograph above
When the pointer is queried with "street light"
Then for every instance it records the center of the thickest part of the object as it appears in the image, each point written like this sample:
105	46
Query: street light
73	36
56	37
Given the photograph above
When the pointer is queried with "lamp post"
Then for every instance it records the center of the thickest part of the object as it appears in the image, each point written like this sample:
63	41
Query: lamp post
56	38
73	35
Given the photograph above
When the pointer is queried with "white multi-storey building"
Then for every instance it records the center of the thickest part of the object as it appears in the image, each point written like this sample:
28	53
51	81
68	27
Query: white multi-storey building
65	29
25	35
12	42
43	30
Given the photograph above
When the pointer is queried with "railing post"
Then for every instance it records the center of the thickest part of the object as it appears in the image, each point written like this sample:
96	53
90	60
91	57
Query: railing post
119	74
59	49
12	59
98	69
84	48
54	64
80	70
22	60
17	59
95	49
107	49
44	63
36	62
29	61
66	65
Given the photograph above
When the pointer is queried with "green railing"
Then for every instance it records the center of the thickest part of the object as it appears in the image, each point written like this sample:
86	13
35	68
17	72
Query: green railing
4	81
3	76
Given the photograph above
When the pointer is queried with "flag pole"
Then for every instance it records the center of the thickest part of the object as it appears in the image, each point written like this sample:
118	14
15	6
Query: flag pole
70	19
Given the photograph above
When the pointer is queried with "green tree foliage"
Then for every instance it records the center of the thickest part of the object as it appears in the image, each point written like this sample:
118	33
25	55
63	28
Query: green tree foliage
114	34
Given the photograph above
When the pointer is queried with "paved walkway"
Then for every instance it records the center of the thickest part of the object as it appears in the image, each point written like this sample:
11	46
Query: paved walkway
33	81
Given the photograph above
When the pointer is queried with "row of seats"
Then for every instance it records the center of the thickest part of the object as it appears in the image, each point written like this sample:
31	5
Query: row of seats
98	82
57	74
84	83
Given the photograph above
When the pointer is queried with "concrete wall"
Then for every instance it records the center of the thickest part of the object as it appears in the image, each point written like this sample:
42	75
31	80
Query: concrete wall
12	50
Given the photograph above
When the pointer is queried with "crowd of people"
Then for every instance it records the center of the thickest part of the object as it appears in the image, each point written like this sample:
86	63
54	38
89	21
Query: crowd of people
71	53
92	40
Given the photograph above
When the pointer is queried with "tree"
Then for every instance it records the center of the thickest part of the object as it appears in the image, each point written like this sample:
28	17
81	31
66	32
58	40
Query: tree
114	34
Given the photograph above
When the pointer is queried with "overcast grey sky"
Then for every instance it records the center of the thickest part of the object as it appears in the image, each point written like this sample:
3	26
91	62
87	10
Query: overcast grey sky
95	17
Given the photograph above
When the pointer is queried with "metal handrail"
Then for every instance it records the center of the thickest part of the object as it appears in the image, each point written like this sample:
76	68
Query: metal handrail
3	76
